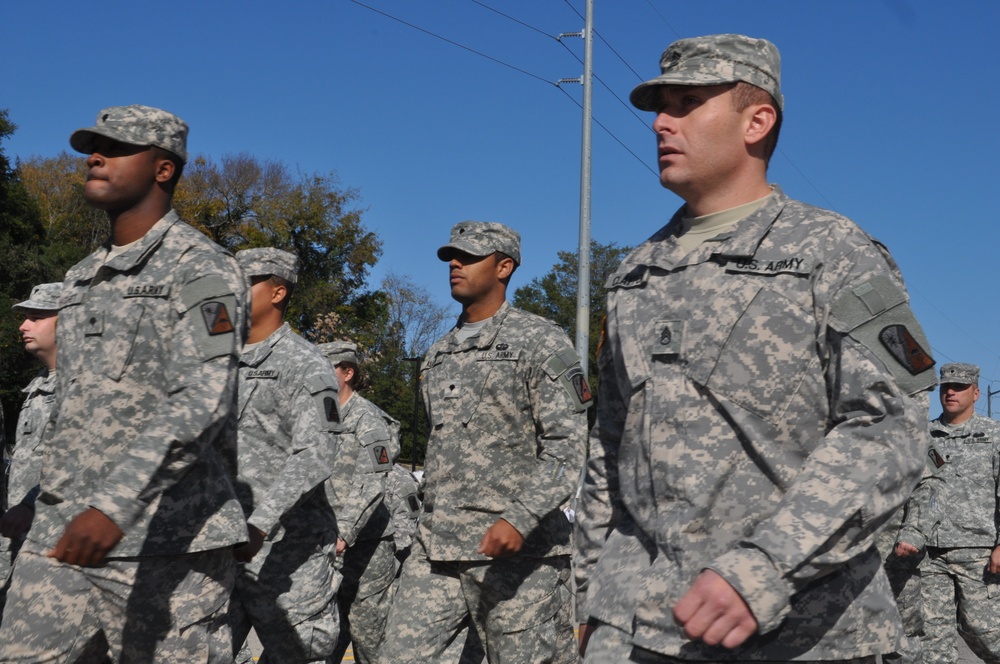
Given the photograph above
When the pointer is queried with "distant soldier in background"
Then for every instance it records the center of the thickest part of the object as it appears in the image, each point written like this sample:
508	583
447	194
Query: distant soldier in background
288	424
369	447
954	517
38	330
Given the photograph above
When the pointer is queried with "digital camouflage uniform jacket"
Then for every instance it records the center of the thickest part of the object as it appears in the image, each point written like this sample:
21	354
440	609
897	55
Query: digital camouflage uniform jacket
288	424
508	434
370	445
144	428
957	504
40	398
753	418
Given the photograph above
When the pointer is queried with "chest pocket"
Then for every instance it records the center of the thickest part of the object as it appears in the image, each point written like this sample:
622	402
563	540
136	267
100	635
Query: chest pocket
247	388
766	355
116	332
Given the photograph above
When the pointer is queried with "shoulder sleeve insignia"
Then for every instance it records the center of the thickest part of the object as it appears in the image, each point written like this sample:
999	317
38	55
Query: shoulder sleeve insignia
935	457
905	348
331	410
216	317
580	386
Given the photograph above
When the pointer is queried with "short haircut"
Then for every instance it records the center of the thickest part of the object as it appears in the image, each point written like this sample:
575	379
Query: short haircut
745	95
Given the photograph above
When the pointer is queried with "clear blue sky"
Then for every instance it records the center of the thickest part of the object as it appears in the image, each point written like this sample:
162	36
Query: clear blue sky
890	116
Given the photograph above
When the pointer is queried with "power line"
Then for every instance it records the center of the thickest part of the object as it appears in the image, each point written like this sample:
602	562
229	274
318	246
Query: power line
453	43
611	134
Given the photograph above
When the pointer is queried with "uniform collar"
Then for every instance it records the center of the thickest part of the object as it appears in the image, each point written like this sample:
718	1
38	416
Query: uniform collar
134	255
489	332
263	349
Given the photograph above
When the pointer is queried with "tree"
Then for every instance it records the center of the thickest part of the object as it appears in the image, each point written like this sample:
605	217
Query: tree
24	262
56	185
554	294
411	309
245	202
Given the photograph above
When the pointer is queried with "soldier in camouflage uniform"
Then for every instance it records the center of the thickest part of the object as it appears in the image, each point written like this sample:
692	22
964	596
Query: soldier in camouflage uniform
131	545
763	386
506	401
953	516
288	424
40	310
356	488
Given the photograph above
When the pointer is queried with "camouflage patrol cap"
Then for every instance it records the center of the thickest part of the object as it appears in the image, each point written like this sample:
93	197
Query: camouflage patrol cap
135	125
44	297
960	373
340	351
266	261
482	238
714	60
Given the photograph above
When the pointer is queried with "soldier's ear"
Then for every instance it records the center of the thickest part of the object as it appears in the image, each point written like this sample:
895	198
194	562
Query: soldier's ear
165	169
505	267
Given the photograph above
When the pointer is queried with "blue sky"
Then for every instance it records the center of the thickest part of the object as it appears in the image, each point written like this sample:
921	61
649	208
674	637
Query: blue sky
890	116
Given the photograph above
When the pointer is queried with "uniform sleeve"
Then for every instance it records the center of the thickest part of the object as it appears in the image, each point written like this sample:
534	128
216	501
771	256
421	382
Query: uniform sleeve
206	335
919	520
377	449
598	508
315	425
559	397
864	469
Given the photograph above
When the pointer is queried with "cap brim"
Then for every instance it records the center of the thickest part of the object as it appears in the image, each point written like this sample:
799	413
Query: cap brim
644	95
444	253
82	140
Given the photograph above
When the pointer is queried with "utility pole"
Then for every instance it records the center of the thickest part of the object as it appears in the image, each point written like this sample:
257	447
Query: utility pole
583	255
989	400
416	409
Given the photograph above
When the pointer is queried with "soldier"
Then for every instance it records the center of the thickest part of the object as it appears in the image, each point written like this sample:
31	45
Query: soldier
369	447
506	400
762	390
131	545
953	516
38	330
288	423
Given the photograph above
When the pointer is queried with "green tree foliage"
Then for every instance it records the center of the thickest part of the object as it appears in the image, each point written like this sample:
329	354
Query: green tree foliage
244	202
553	295
25	260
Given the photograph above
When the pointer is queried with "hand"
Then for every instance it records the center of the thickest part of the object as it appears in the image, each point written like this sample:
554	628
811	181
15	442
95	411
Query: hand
501	539
16	521
586	630
244	553
904	549
712	611
341	546
994	565
87	539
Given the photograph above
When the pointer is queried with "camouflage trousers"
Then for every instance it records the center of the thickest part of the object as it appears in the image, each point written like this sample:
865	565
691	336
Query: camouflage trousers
904	578
138	610
365	595
514	604
610	644
288	595
960	597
